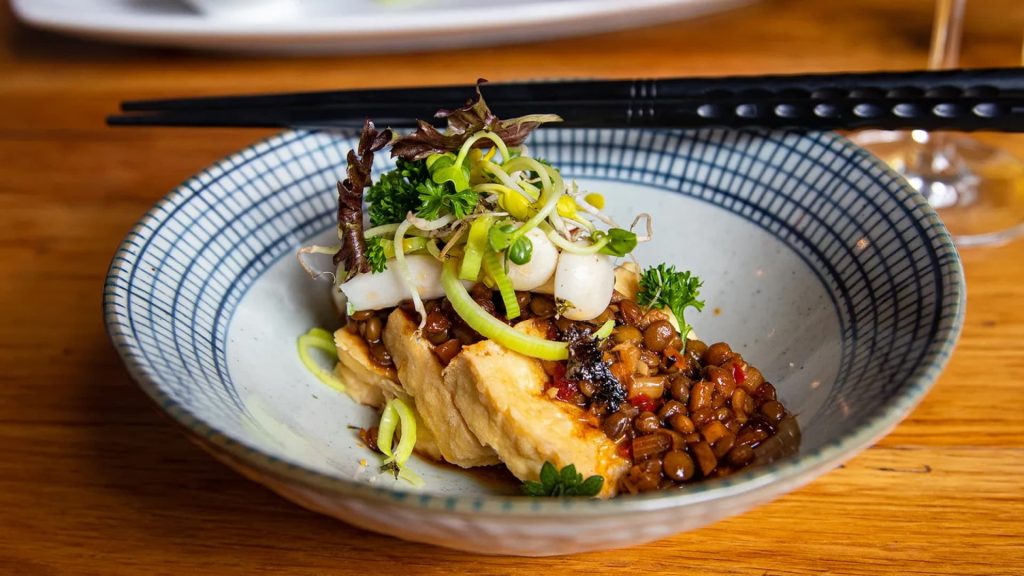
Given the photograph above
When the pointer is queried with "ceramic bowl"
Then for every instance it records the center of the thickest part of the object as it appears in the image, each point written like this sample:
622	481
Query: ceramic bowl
819	264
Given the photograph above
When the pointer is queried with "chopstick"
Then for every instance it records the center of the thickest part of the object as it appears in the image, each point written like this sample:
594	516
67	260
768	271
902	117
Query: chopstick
990	99
975	82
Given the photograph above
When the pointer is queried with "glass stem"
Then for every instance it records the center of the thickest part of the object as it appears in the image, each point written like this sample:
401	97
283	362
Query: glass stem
947	31
933	157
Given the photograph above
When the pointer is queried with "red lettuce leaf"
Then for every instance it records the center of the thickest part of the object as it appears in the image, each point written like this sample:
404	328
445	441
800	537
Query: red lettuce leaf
350	200
463	123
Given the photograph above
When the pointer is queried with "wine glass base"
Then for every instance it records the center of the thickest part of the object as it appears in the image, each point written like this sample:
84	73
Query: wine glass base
977	190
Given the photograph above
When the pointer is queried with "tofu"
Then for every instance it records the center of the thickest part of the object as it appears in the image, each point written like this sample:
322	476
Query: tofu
371	384
419	371
500	394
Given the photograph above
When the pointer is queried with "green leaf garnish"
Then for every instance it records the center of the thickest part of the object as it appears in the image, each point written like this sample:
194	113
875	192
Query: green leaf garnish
662	286
500	235
439	199
394	194
620	242
376	255
568	482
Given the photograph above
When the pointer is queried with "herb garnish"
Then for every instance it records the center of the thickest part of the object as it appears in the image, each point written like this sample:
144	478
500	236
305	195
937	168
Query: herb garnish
439	199
565	483
662	286
376	254
395	195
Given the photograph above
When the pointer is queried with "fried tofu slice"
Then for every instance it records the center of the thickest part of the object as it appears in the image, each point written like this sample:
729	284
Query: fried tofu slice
501	396
419	371
371	384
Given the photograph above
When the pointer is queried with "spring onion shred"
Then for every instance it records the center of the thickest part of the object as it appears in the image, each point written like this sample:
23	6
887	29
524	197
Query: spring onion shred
407	424
386	429
397	416
605	330
498	142
490	327
403	270
495	269
319	339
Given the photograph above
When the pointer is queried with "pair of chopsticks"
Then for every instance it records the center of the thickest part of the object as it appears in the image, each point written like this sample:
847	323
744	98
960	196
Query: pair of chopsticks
961	100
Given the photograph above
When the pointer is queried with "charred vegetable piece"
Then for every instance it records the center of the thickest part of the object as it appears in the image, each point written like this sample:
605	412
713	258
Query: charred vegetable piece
586	362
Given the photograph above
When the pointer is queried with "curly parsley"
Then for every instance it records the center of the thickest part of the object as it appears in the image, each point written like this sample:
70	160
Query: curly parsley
395	193
565	483
662	286
376	254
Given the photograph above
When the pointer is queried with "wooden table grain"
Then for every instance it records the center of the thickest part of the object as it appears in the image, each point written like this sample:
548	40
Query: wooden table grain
94	481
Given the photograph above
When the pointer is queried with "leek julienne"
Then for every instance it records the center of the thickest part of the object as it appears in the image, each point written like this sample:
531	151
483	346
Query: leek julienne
492	328
494	269
320	339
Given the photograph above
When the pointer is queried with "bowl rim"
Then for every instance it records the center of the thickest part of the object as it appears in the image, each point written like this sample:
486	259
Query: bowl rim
794	469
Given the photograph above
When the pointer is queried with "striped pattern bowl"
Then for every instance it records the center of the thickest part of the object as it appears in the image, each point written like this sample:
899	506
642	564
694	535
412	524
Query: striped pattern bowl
819	264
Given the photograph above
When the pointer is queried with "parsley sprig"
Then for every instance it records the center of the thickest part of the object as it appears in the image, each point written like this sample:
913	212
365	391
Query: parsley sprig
568	482
376	254
395	193
663	285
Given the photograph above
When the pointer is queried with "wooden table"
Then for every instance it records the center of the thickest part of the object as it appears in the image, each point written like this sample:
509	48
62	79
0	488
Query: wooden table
94	481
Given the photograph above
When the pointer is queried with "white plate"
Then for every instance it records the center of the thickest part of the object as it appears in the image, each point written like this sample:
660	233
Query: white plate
353	25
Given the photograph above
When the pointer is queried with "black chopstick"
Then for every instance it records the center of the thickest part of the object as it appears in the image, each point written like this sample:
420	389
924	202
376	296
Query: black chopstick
838	112
989	82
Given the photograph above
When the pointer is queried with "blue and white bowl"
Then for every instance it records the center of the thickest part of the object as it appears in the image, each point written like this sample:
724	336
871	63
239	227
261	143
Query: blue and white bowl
819	264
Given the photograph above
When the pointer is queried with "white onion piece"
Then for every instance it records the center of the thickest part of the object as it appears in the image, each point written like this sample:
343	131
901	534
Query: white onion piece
541	265
585	282
386	289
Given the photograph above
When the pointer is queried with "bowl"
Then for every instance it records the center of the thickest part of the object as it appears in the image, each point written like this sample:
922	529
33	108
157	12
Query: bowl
819	264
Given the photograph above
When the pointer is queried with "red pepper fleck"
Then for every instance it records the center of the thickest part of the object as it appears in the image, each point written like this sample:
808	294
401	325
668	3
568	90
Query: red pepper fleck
738	374
567	389
643	402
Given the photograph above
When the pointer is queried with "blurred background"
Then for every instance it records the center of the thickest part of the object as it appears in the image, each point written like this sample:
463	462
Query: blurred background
103	51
